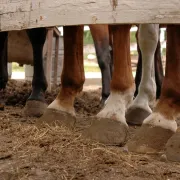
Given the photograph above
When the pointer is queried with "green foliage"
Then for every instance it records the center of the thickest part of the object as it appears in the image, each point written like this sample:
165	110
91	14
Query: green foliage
133	37
164	52
91	68
17	68
88	38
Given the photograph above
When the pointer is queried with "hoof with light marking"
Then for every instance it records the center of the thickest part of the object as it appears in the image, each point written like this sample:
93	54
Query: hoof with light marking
149	139
107	131
136	115
56	117
34	108
173	147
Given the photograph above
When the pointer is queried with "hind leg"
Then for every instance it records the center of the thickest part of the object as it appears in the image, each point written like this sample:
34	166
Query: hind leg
100	36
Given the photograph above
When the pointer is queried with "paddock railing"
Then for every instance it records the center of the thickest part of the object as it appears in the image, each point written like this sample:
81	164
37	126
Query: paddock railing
24	14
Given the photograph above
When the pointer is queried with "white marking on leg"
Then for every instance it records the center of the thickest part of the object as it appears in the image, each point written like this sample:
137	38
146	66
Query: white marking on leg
60	107
116	105
157	119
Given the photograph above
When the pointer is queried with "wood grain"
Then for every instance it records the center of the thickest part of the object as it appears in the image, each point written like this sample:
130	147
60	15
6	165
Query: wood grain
23	14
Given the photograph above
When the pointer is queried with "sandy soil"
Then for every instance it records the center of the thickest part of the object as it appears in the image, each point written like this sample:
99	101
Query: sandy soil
55	153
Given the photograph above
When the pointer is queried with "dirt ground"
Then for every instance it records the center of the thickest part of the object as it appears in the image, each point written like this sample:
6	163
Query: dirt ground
55	153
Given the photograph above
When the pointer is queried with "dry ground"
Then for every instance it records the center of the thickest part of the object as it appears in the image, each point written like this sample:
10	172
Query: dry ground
57	153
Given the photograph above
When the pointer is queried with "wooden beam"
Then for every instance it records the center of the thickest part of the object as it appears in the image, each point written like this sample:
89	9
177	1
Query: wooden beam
56	60
57	33
23	14
49	57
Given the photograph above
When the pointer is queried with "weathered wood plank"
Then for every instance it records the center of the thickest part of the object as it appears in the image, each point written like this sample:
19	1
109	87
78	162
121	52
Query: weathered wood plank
49	58
22	14
56	60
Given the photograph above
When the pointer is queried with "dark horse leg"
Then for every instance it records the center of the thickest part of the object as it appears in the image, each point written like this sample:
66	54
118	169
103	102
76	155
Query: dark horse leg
111	47
157	65
158	70
3	67
100	34
35	105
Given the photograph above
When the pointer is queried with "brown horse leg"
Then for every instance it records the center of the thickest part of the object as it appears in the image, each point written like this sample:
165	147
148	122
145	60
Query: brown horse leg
3	67
100	36
161	124
110	126
61	110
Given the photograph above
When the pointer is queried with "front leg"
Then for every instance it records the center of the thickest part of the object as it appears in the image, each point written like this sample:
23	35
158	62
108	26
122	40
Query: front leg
141	106
36	105
61	110
110	125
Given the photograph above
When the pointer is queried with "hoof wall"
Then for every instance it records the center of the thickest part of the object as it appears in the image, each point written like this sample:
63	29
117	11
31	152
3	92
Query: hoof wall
34	108
149	139
107	131
1	107
54	117
173	147
136	115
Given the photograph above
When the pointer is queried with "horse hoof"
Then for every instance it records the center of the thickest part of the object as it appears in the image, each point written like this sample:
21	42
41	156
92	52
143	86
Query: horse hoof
56	117
102	102
1	107
107	131
173	147
136	115
149	139
34	108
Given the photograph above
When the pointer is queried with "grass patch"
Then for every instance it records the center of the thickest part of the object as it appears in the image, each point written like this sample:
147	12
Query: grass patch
91	69
17	68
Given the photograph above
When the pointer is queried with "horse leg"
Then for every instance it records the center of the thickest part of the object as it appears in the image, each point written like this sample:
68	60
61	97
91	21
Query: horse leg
161	124
35	105
100	36
139	66
140	108
111	48
157	65
61	110
3	67
110	126
158	70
